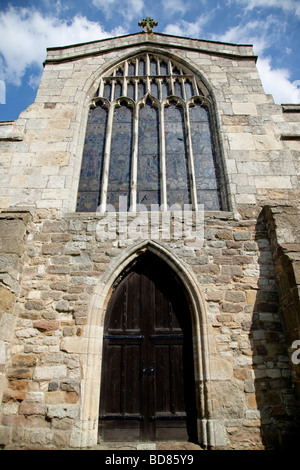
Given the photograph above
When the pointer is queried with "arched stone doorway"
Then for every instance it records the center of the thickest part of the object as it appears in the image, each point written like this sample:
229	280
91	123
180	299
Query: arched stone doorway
91	344
148	385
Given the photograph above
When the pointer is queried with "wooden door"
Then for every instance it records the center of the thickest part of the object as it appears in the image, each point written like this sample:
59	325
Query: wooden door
147	386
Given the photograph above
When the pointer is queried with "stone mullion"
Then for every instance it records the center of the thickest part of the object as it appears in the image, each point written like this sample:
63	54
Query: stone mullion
112	95
183	88
125	78
162	150
195	87
159	81
171	79
134	160
171	82
106	159
147	62
136	67
101	88
148	84
188	138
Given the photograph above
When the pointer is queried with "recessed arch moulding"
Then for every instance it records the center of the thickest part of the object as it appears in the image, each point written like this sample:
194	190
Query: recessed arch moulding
90	347
94	87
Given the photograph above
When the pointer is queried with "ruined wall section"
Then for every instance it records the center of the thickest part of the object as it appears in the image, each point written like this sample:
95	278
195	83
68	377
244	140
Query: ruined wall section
283	226
13	234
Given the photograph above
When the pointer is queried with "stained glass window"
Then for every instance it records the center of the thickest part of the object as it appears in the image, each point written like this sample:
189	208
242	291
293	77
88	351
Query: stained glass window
92	161
120	156
176	157
148	156
149	138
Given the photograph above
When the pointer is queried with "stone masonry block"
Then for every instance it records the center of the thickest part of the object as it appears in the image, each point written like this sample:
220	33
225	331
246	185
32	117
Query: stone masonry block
50	372
244	108
241	141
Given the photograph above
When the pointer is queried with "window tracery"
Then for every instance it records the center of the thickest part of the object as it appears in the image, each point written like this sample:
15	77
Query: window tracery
149	138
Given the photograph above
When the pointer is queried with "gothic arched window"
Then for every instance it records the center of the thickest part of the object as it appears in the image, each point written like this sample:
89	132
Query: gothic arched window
149	140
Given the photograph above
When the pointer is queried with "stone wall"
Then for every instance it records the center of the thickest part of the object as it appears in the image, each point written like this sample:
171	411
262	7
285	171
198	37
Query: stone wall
247	382
57	274
283	225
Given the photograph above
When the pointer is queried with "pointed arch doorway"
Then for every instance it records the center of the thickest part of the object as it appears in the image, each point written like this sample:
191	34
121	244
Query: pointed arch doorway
147	385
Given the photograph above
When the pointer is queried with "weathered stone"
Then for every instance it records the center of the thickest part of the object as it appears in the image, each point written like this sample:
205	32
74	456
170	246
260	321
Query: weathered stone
235	296
25	360
238	236
62	306
20	373
7	300
46	325
34	305
50	372
54	226
14	395
62	411
231	307
32	409
70	385
52	249
53	386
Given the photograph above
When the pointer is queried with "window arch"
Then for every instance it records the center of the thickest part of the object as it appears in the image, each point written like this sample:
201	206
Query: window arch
149	139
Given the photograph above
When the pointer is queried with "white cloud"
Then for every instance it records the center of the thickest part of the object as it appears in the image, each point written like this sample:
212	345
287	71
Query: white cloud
25	34
254	32
190	29
2	92
276	82
128	8
261	34
175	6
291	6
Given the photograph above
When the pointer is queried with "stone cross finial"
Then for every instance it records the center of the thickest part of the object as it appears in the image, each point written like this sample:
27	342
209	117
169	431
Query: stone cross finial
148	24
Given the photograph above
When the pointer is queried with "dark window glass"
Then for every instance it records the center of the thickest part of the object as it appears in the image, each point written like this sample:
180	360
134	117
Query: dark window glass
154	89
92	160
153	67
141	89
176	157
148	156
107	91
163	68
165	91
131	90
131	69
178	89
120	156
118	90
205	170
188	89
142	69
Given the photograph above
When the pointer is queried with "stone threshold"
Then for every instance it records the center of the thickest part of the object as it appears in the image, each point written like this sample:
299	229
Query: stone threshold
120	446
162	445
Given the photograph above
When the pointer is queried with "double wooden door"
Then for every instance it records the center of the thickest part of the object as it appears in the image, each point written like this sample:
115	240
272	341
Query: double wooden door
147	385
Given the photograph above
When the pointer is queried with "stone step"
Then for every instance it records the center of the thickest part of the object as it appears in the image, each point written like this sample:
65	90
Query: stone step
162	445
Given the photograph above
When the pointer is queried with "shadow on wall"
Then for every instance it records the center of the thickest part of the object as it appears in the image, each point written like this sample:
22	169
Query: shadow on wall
274	399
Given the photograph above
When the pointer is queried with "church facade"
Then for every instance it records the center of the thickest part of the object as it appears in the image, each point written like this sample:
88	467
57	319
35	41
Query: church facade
150	256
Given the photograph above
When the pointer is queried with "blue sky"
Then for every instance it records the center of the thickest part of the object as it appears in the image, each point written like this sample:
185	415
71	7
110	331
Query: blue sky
27	28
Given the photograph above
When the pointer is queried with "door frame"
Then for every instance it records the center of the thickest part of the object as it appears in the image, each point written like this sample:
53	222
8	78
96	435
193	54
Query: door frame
90	344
